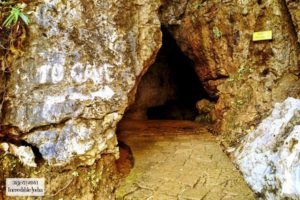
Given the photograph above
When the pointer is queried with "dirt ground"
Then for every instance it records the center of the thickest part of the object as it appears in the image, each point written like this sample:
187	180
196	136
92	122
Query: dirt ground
178	160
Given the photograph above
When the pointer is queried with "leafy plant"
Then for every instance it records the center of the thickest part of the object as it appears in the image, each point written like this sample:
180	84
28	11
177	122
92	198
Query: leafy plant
15	14
75	174
242	70
93	177
217	32
240	102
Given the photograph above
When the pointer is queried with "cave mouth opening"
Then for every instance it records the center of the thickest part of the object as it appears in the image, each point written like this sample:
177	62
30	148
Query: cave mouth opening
170	88
165	103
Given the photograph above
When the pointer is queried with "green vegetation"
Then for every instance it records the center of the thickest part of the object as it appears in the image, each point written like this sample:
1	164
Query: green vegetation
217	32
75	174
94	178
242	70
14	16
12	37
239	102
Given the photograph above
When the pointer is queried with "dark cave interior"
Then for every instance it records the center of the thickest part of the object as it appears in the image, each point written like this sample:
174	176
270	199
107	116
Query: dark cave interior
171	88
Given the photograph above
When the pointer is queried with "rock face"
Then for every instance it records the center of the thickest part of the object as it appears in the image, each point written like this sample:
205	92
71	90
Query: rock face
247	77
84	183
269	156
83	61
81	67
155	88
2	91
24	154
70	87
294	9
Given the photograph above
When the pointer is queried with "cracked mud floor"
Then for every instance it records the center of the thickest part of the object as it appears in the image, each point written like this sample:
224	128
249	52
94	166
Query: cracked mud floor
178	160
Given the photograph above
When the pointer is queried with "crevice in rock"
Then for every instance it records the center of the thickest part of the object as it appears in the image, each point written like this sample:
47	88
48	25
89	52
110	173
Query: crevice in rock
9	128
38	158
289	17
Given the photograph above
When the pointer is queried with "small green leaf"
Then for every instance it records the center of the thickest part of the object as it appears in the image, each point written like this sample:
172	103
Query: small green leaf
8	21
24	18
217	32
75	174
14	16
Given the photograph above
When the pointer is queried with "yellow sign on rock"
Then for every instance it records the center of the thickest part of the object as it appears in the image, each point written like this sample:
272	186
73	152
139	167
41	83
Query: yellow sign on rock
264	35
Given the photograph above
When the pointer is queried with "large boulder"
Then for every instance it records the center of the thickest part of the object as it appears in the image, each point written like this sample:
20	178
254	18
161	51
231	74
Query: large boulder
269	156
77	74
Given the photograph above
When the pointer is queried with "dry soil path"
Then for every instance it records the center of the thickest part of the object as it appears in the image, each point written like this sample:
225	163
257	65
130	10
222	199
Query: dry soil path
178	160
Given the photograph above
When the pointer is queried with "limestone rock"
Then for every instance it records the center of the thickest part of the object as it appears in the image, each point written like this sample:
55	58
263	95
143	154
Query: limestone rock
78	73
294	9
172	11
269	156
246	77
79	139
23	153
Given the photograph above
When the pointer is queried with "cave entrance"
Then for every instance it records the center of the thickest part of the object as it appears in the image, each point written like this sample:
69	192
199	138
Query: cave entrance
165	107
170	89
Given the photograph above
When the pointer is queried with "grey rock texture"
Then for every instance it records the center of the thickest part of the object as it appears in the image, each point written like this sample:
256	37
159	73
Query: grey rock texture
269	156
24	154
70	87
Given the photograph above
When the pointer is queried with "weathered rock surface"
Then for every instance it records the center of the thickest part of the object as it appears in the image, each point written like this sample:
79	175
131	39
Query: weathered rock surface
24	154
76	91
74	80
204	106
84	183
155	88
247	77
83	60
269	156
2	92
294	9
